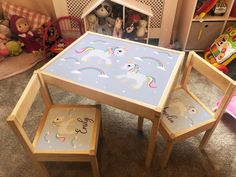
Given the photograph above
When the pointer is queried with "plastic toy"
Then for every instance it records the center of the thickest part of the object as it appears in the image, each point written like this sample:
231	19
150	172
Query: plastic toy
142	28
223	50
231	108
20	27
205	8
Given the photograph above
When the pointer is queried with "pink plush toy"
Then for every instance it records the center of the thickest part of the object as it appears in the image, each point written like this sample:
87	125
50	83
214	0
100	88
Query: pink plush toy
21	27
231	108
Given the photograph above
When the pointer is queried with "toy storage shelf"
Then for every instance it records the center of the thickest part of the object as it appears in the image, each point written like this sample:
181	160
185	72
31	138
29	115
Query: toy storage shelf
197	35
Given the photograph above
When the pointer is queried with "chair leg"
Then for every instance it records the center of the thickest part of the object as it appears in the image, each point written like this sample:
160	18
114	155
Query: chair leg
206	138
95	167
166	153
140	123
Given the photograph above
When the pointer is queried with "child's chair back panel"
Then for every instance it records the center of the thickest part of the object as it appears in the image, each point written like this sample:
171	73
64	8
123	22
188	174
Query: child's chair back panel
218	78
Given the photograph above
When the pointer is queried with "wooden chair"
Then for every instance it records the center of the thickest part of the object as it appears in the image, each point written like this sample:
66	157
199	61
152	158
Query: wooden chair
65	133
185	115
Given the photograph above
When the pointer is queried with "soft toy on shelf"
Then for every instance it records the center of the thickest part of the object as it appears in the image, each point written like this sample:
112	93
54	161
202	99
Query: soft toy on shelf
117	31
105	21
92	22
21	28
142	28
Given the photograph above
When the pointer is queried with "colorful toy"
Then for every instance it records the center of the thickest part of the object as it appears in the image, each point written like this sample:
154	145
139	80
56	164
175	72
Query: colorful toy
21	27
205	8
231	108
223	50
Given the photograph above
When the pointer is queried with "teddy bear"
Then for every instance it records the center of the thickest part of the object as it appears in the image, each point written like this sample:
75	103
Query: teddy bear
142	28
21	28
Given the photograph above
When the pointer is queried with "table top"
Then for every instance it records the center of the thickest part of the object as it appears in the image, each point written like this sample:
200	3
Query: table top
128	70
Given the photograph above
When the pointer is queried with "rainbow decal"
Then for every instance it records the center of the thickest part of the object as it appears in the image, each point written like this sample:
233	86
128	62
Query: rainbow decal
83	50
71	58
101	72
60	137
99	41
160	64
151	82
168	55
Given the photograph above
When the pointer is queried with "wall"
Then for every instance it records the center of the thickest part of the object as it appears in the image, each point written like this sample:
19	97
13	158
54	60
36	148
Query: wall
43	6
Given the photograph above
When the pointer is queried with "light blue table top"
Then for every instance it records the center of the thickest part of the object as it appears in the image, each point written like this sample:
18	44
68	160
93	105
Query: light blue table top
128	69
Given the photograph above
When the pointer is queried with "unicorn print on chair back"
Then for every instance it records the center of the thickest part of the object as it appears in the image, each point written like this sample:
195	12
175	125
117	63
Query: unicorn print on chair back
102	54
134	74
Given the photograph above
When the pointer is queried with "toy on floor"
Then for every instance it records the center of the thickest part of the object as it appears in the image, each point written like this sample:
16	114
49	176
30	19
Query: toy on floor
223	50
231	108
21	27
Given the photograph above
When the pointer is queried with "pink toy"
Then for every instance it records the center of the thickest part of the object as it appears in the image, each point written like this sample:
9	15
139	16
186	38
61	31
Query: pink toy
231	108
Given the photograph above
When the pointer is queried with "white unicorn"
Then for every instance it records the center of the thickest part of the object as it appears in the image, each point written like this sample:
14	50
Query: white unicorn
134	74
102	54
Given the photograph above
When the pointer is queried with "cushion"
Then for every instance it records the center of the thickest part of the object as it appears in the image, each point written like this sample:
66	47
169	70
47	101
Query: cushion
183	112
35	19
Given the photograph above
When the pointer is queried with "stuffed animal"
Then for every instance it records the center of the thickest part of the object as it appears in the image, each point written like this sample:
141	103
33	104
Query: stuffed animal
14	47
3	49
21	27
102	11
142	28
117	31
92	22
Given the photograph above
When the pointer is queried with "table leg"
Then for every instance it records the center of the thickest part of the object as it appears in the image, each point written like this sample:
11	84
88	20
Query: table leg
152	141
140	123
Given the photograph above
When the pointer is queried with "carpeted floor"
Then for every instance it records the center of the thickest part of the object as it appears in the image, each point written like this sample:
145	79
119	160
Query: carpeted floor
122	151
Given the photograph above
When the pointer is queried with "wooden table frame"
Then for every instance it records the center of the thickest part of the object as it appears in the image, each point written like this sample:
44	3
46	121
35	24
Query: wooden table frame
130	105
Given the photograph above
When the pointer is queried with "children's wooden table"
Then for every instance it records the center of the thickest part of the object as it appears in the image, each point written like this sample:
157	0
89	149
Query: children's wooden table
131	76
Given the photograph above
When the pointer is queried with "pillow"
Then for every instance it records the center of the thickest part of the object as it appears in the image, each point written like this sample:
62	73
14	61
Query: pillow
35	19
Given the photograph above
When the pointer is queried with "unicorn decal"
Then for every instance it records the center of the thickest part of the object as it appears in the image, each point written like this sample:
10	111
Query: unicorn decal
102	54
71	126
134	74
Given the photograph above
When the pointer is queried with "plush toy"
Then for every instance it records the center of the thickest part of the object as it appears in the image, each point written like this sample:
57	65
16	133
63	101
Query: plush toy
21	27
142	28
4	28
14	48
92	22
117	31
102	11
3	49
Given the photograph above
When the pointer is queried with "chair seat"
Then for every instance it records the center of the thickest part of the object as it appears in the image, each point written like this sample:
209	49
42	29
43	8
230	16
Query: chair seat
68	128
183	112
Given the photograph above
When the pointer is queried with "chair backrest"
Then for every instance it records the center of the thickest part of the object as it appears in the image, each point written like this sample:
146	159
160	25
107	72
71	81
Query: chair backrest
218	78
22	108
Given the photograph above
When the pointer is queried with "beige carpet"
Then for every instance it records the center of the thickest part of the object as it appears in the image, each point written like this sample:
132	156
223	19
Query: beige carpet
11	66
123	150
